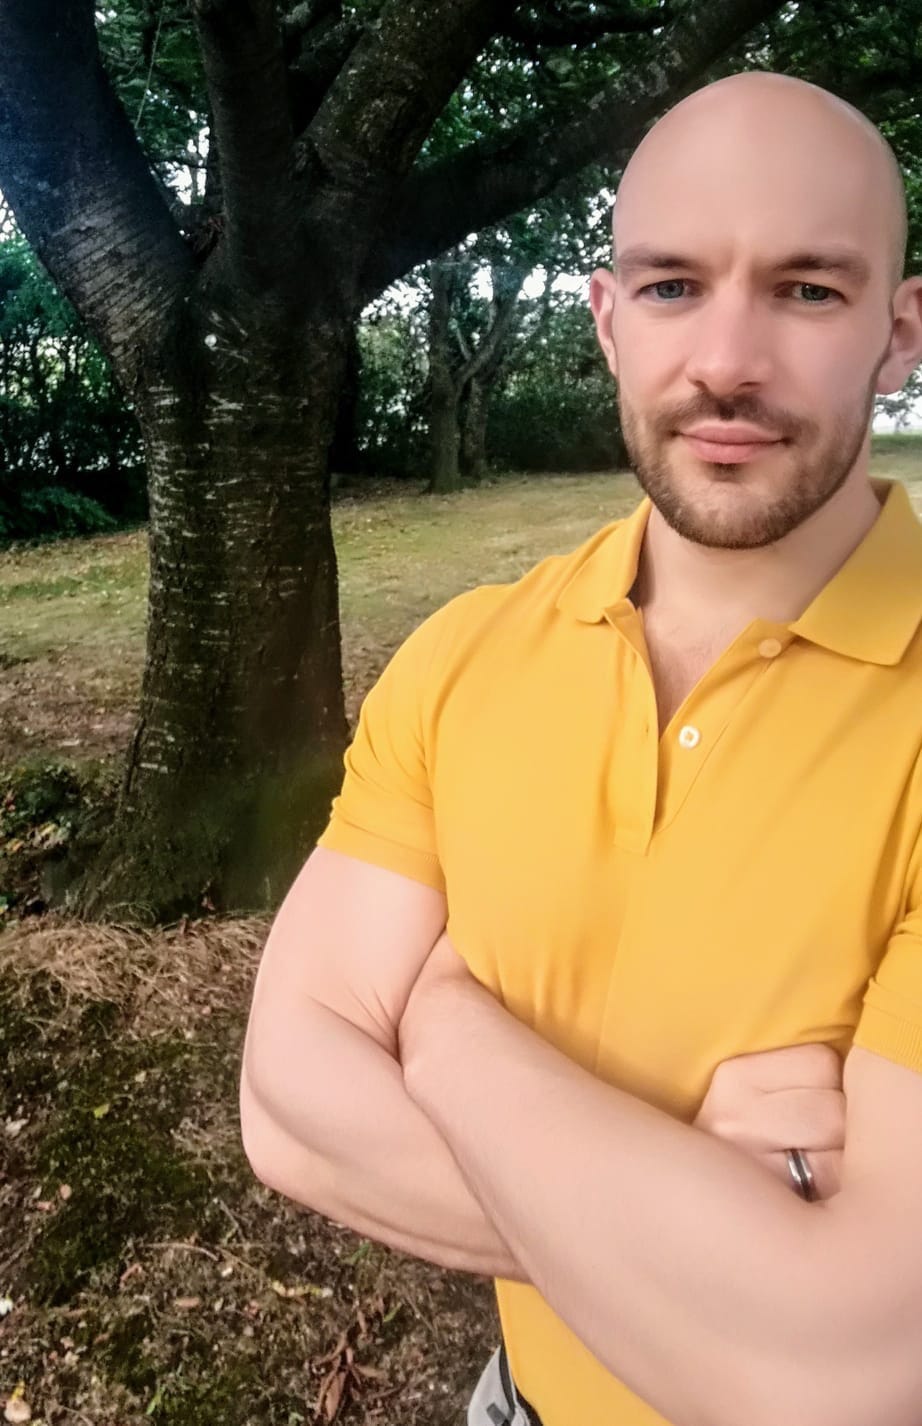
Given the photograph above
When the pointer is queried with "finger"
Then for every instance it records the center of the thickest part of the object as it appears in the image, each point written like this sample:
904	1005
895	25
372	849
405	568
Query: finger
815	1064
801	1118
825	1165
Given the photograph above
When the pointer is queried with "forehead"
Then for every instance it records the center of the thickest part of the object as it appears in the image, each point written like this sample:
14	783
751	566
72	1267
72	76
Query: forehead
725	188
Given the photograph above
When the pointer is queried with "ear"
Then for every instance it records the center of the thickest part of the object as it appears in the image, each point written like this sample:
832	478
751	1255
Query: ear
904	353
602	301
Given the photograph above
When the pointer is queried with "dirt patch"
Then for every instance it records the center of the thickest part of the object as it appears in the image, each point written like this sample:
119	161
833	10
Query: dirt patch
152	1277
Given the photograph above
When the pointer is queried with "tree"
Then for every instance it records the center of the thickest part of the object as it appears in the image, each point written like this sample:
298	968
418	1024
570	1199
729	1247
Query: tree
471	337
461	370
555	409
330	171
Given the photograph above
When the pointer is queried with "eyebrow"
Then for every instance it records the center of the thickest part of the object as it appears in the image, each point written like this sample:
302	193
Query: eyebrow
846	262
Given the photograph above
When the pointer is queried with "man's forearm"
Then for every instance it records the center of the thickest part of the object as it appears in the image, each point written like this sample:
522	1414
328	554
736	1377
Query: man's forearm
353	1146
699	1280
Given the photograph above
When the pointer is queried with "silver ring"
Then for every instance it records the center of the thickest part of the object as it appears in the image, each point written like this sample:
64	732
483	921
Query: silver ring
802	1174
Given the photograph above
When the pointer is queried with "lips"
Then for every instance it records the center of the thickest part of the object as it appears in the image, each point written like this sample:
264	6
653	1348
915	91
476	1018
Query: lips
732	435
728	451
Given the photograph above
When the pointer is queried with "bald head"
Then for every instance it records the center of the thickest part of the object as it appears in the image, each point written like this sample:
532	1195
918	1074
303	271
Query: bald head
767	153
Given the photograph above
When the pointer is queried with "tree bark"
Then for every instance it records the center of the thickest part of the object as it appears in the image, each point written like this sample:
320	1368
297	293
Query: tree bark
237	750
474	430
444	393
345	456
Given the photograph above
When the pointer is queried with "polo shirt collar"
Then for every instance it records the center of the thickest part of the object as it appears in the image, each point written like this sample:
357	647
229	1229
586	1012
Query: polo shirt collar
606	576
869	610
872	606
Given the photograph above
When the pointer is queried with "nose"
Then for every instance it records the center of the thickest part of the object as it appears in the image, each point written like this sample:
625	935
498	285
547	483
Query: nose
729	344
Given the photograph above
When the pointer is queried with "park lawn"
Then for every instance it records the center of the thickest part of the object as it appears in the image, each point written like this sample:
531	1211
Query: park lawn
72	613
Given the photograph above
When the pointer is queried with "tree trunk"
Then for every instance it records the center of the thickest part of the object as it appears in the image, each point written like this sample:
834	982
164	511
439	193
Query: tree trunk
238	745
443	436
474	431
444	395
345	456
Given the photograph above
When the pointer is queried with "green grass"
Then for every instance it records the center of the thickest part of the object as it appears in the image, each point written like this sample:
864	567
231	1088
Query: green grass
76	609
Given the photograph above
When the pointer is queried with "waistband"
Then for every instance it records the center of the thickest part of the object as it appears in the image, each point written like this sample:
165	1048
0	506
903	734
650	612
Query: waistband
513	1395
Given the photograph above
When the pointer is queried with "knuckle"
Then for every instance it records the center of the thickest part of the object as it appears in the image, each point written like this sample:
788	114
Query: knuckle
823	1061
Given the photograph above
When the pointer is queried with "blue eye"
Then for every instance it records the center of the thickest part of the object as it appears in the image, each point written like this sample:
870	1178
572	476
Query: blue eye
666	282
814	287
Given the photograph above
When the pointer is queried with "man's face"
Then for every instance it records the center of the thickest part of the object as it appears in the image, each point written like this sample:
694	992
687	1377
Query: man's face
715	320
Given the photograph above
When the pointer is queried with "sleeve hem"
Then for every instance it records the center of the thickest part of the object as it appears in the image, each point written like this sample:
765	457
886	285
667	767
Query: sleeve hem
888	1035
352	841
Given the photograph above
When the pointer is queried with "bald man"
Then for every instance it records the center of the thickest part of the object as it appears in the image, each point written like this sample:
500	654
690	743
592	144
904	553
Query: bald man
665	792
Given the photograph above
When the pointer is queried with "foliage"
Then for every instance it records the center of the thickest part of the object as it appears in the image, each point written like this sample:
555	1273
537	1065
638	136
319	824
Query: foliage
70	460
557	411
44	806
150	53
392	418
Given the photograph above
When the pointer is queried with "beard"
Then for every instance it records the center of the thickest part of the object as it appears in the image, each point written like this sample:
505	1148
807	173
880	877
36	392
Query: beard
739	507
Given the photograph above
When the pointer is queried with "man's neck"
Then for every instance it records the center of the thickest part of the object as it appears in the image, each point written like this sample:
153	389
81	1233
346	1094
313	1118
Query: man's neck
703	590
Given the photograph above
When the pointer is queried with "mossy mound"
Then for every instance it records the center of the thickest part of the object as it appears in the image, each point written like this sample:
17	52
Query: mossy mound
102	1109
109	1139
51	815
152	1277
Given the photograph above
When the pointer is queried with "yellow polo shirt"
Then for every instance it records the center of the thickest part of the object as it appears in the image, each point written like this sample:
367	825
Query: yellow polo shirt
654	905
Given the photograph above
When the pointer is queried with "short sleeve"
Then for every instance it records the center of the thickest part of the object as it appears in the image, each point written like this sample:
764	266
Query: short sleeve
891	1016
384	812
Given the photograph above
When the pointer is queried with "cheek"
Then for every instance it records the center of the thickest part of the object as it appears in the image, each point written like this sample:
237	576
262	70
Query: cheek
831	367
652	357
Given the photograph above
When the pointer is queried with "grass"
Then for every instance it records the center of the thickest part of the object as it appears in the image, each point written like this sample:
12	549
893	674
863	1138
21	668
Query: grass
72	614
151	1276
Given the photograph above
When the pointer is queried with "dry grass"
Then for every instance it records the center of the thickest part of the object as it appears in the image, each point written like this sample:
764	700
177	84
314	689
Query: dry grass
161	982
153	1278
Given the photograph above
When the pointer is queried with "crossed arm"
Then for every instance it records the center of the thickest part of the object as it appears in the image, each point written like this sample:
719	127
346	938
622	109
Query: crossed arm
736	1302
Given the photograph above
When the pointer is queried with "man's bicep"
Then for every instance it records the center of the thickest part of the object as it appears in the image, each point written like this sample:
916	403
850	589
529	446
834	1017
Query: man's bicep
384	813
351	936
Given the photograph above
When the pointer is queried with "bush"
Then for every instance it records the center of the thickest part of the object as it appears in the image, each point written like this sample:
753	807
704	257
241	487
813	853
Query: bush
558	427
49	513
70	447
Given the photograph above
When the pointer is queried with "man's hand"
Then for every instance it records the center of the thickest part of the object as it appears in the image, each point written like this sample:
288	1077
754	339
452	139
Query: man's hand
764	1103
775	1100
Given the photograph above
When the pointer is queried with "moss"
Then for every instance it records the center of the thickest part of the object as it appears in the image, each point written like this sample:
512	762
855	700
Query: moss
28	1068
51	816
123	1355
109	1137
188	1398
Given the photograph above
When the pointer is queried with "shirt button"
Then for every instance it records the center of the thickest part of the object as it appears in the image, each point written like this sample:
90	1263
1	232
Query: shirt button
770	648
689	737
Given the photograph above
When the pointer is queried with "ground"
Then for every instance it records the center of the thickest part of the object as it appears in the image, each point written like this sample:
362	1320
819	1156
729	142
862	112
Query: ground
145	1274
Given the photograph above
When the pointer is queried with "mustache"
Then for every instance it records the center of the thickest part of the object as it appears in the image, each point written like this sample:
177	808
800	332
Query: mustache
780	422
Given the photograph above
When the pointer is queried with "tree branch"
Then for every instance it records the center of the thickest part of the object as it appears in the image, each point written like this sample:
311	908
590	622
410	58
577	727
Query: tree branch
439	205
308	14
586	25
374	120
247	87
74	174
507	284
313	68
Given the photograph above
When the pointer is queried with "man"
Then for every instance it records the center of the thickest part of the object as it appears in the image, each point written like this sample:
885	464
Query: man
670	785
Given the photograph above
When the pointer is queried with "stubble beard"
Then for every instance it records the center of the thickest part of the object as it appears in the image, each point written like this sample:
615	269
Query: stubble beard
810	481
